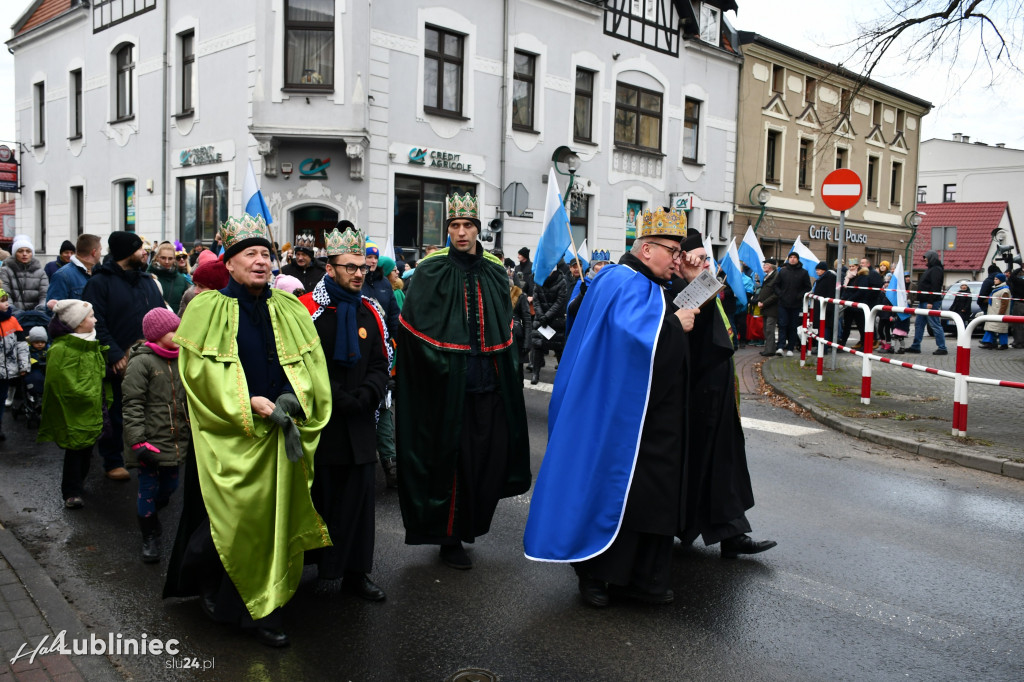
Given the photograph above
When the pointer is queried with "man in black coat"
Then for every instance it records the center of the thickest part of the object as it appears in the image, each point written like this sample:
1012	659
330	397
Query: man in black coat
792	284
986	287
825	286
121	295
929	296
716	491
355	342
523	272
768	299
550	303
304	267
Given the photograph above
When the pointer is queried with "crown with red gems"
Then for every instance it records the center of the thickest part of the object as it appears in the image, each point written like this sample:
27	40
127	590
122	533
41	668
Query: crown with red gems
660	223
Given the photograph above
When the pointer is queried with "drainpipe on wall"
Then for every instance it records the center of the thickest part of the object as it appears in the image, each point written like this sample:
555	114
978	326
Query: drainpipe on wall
163	143
504	111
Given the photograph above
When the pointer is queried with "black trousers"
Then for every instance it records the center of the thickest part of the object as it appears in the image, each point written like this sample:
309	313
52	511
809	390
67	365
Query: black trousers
76	468
343	495
642	560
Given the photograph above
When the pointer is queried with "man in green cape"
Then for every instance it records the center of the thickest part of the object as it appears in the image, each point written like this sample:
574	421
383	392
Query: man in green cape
258	395
461	419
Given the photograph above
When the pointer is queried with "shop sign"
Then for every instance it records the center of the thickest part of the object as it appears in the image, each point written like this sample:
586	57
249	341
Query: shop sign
682	201
8	170
204	155
437	159
829	234
314	169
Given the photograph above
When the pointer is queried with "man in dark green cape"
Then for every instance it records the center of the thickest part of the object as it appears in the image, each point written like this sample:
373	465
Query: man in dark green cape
716	482
461	419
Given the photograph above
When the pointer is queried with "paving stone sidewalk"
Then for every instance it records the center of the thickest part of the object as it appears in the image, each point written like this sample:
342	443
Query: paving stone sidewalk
31	608
913	410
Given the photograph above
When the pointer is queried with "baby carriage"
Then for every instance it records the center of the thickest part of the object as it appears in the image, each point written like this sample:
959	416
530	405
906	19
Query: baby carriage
28	394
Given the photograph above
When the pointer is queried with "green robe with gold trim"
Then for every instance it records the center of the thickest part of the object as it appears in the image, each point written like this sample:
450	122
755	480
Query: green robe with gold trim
261	516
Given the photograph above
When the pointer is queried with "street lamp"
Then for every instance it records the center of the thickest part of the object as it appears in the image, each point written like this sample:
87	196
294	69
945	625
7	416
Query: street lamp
763	195
571	160
911	220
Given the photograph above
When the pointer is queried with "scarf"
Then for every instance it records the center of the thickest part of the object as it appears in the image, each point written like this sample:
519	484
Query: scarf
165	353
85	336
6	315
346	343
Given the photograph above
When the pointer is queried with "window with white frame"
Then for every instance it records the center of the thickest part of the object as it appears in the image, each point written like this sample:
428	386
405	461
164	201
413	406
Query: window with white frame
41	217
872	183
124	76
806	163
691	129
39	104
710	23
524	74
75	104
922	194
810	89
186	48
309	44
637	117
896	186
773	157
442	71
583	111
948	193
842	157
77	210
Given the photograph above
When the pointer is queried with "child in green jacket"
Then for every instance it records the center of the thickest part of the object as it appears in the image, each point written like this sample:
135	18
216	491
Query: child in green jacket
73	393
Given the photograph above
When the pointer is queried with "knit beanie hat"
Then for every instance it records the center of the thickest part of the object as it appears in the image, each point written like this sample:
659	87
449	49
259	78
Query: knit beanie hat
38	334
206	255
372	249
66	245
1000	277
22	242
122	244
288	283
211	274
525	253
158	322
386	265
71	312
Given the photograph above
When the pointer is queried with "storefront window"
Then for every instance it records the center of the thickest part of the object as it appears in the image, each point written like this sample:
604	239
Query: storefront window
419	210
203	207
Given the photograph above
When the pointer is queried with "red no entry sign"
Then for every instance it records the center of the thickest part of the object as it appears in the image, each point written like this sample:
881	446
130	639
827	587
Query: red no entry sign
841	189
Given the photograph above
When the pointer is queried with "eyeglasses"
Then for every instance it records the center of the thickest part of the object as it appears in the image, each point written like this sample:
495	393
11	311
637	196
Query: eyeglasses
351	269
674	251
180	257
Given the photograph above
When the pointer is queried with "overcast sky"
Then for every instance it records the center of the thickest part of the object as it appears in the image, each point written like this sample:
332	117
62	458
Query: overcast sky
962	104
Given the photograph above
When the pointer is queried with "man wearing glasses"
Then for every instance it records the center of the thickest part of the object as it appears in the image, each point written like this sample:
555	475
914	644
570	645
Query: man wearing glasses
614	512
355	341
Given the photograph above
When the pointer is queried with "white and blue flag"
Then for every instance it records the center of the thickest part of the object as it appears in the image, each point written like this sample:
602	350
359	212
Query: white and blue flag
807	257
252	198
555	239
734	273
750	250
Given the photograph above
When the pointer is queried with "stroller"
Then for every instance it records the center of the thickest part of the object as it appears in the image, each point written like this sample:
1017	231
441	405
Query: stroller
28	393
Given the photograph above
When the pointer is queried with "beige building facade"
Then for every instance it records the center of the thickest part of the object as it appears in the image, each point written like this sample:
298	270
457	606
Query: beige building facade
801	118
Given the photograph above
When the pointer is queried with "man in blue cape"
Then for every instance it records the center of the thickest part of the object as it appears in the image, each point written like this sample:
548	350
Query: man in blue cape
613	513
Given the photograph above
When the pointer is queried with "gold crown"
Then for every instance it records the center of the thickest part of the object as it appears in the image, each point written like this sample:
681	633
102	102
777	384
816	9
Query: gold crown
305	240
340	243
660	223
236	230
461	207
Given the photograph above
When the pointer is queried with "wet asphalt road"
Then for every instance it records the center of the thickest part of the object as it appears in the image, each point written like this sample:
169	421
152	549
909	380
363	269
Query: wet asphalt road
888	567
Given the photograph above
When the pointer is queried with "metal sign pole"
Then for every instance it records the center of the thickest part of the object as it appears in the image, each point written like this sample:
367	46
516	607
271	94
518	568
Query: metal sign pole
836	322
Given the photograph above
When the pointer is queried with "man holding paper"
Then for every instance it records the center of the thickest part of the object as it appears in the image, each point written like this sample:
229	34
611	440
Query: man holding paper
613	513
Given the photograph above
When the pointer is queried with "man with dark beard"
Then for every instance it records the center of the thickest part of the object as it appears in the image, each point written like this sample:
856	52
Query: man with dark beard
461	417
355	342
121	295
716	483
613	511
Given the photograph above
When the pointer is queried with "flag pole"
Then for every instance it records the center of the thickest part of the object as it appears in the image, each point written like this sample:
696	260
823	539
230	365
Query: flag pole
572	243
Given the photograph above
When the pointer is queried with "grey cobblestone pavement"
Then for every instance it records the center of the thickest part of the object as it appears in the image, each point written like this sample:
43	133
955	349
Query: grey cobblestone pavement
913	410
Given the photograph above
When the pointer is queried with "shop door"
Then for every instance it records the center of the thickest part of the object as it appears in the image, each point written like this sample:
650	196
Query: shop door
313	220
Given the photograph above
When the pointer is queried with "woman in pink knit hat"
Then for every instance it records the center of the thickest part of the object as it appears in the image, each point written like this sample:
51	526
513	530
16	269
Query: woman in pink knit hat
156	427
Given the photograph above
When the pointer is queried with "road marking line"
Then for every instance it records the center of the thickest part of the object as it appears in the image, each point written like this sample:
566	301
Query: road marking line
864	606
542	386
778	427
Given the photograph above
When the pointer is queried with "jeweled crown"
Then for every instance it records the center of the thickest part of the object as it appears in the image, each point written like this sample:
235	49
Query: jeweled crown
305	240
235	230
339	243
461	207
662	223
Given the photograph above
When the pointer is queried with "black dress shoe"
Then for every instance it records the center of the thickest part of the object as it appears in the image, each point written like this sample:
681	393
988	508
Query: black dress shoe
269	637
456	557
743	544
535	378
362	586
632	592
594	592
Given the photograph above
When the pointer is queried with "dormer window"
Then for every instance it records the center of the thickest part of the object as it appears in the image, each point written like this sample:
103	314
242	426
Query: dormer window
710	23
650	23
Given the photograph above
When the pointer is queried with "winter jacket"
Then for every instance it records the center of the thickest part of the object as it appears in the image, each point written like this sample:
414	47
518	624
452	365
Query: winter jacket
53	266
931	280
68	281
120	299
378	287
14	358
523	274
962	306
73	393
768	298
154	407
172	283
793	282
520	316
550	301
999	304
310	275
25	283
